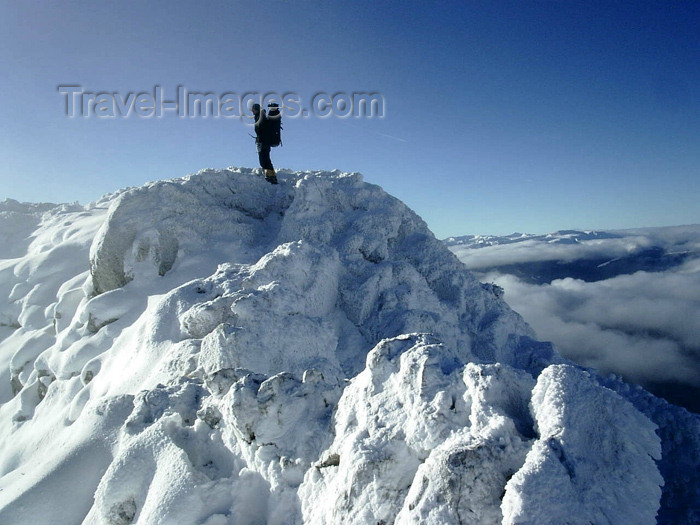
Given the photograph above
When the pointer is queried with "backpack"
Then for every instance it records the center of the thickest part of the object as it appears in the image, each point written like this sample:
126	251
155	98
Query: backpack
273	127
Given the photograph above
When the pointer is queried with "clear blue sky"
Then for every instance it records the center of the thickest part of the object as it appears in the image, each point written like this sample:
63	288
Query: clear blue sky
500	116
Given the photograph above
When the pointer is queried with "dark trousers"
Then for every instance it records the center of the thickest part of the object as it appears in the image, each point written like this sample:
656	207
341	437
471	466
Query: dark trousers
264	156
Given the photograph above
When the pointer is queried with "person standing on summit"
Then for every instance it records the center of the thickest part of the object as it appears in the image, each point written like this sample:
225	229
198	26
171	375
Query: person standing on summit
267	135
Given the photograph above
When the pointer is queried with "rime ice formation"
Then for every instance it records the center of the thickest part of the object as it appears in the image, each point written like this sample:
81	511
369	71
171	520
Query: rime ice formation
217	350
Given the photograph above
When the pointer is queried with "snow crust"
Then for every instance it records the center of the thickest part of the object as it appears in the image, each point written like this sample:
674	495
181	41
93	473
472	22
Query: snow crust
218	350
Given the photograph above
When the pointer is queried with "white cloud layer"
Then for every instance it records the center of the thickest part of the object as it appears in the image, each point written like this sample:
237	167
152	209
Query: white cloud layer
643	326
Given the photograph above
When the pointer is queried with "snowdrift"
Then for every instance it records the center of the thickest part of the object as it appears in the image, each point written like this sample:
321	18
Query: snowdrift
218	350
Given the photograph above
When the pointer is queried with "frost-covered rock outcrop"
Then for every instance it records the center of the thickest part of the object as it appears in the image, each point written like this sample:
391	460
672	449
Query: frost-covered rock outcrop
218	350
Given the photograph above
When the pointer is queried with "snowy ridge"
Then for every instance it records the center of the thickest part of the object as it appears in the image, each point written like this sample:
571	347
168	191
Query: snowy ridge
214	349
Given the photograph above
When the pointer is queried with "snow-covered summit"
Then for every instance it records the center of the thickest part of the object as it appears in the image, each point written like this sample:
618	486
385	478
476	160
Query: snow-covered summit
215	349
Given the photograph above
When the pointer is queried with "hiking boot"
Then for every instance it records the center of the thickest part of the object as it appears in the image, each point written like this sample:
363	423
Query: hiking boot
271	176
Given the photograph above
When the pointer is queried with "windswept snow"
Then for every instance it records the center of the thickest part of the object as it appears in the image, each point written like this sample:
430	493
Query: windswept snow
218	350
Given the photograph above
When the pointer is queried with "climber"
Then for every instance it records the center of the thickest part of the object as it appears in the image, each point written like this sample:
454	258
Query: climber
266	135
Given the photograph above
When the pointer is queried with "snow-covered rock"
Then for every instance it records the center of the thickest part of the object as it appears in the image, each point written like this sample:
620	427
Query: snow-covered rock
619	483
216	350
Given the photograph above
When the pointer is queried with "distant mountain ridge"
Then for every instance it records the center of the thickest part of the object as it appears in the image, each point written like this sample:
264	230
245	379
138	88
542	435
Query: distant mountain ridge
546	257
560	237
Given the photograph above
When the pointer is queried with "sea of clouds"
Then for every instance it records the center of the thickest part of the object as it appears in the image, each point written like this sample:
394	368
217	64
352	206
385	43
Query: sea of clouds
629	306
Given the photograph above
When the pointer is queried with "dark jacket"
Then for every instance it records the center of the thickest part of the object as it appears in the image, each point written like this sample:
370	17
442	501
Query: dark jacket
261	125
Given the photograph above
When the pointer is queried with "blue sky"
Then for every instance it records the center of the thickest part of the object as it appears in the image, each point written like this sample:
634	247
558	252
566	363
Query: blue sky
499	116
